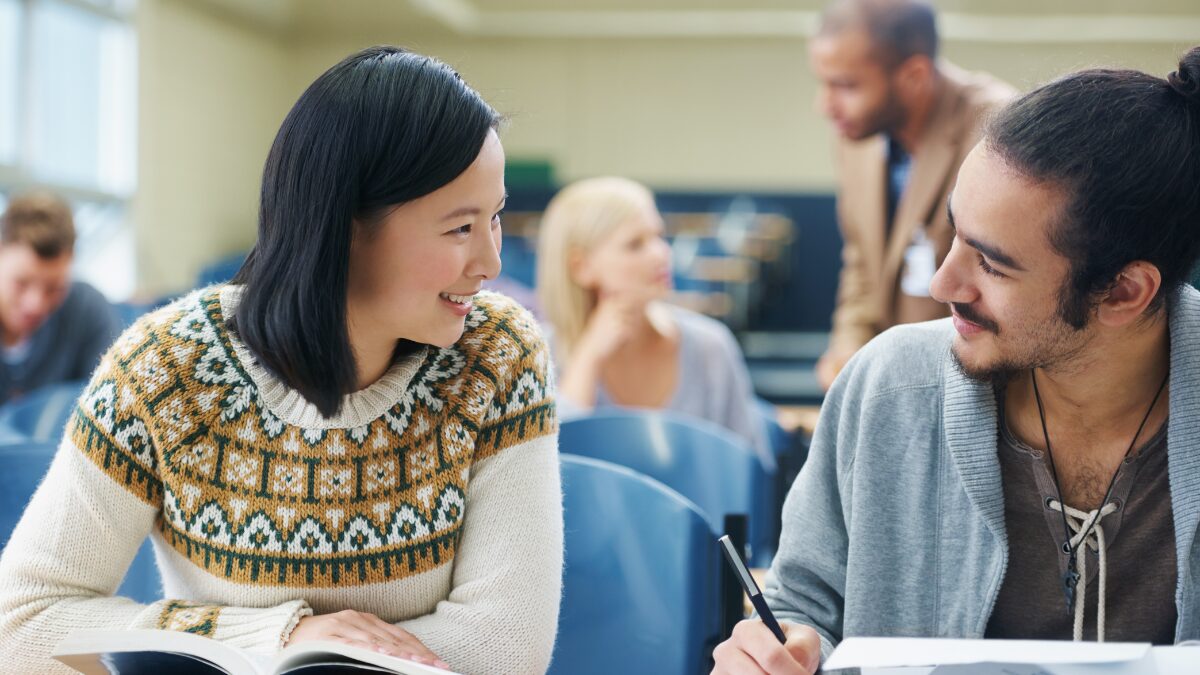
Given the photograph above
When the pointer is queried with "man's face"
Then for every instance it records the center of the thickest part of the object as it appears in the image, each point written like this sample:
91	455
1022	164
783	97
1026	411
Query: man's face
31	288
856	91
1002	277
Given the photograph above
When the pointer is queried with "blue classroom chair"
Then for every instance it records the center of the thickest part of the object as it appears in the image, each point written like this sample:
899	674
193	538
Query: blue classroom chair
42	414
641	584
220	271
703	461
22	467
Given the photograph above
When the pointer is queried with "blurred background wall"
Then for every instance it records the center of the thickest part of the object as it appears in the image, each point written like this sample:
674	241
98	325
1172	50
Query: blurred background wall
685	95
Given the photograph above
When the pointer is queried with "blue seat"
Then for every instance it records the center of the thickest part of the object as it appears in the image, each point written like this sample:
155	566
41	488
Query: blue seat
130	311
220	271
701	460
778	437
641	585
22	467
42	414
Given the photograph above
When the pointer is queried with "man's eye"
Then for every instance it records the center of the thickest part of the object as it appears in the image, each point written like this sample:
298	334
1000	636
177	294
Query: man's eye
988	269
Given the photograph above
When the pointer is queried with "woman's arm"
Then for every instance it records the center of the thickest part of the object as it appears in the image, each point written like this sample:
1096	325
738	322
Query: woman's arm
85	523
609	326
68	556
502	612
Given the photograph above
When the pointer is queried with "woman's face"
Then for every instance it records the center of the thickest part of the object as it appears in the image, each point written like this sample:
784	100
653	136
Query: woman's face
413	275
633	261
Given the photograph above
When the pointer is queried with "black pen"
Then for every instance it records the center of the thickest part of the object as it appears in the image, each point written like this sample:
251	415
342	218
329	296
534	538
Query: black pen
751	587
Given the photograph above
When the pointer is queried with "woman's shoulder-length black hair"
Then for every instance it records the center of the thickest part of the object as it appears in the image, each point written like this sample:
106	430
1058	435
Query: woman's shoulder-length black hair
383	127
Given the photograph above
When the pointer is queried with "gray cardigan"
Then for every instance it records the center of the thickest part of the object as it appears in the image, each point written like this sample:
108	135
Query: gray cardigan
895	526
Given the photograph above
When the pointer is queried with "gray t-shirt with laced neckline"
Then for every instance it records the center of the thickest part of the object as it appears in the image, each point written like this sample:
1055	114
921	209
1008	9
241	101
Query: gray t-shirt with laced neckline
1140	538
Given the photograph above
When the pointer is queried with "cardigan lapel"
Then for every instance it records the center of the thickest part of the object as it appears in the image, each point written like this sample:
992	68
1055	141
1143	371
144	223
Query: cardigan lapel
969	420
1183	445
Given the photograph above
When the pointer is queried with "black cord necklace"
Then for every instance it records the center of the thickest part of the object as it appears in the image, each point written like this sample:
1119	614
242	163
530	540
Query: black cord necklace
1070	578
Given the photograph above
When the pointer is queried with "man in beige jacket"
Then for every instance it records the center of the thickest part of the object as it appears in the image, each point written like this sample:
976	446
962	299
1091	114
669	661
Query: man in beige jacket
905	121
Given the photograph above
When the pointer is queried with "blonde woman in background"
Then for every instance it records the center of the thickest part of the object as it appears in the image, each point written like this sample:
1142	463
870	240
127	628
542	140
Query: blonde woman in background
604	269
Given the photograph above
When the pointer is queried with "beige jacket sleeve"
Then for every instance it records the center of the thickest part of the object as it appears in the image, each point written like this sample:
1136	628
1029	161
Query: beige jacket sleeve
856	314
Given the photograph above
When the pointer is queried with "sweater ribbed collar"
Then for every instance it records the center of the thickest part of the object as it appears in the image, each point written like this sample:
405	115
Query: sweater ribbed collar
358	408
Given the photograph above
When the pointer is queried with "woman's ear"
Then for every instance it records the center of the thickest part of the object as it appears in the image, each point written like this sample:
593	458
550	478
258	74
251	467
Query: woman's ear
1134	290
580	268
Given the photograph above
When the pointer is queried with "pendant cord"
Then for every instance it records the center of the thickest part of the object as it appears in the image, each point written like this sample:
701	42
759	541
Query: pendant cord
1072	551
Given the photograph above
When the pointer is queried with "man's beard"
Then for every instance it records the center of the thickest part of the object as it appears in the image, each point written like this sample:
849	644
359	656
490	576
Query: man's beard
1053	346
995	374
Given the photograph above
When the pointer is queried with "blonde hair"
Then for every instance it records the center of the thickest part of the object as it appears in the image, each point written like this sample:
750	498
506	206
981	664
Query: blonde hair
579	217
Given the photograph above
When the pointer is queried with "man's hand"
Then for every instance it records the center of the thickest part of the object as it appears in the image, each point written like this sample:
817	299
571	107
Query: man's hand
367	631
754	650
830	364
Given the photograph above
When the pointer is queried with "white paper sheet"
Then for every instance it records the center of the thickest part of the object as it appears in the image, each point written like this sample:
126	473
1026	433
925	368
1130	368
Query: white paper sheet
935	656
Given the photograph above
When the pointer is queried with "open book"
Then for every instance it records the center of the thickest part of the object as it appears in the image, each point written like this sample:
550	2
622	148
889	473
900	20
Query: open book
133	652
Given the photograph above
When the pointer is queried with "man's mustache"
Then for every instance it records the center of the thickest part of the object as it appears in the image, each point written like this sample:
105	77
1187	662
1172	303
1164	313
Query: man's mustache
967	312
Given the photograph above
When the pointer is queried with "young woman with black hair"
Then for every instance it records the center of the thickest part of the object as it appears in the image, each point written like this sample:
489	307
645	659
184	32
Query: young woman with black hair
348	442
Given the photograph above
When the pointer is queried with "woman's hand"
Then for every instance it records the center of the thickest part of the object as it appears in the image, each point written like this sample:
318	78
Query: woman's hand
366	631
609	326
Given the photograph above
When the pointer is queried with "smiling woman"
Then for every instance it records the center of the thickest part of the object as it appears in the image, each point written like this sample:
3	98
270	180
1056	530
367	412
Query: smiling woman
350	441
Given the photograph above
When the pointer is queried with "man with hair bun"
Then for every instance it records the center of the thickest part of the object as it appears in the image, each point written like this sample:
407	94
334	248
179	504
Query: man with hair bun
51	329
1028	468
905	120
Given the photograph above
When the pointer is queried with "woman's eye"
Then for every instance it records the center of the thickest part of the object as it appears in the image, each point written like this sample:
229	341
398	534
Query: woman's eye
465	229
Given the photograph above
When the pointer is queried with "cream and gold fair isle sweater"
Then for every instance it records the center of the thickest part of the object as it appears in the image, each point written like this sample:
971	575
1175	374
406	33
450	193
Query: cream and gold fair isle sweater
431	500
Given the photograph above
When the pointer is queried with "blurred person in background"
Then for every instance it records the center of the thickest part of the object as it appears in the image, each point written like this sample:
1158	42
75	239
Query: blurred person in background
904	120
603	270
51	329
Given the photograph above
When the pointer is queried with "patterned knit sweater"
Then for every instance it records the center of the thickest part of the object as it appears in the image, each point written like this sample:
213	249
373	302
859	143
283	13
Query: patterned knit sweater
432	499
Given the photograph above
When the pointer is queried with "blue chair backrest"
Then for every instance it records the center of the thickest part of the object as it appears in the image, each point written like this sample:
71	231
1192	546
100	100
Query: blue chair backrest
130	311
22	467
778	437
220	271
41	415
703	461
642	578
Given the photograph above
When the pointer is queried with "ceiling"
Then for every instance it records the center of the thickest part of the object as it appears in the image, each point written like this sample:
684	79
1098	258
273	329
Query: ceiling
998	20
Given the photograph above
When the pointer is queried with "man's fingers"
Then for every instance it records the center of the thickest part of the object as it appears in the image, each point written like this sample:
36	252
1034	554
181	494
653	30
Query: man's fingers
804	644
729	659
761	645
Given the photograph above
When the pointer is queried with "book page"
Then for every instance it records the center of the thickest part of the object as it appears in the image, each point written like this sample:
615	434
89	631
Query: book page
295	659
105	652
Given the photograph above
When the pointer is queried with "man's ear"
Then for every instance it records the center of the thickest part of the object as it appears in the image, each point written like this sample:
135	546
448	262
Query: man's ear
914	73
1135	288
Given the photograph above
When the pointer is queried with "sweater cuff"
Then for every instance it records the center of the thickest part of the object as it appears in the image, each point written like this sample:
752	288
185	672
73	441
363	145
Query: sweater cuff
263	631
258	630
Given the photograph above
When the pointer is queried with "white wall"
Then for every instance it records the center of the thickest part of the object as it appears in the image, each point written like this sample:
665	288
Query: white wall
212	93
681	113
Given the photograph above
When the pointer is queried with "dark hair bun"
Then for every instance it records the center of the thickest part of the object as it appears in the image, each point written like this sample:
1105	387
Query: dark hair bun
1186	80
